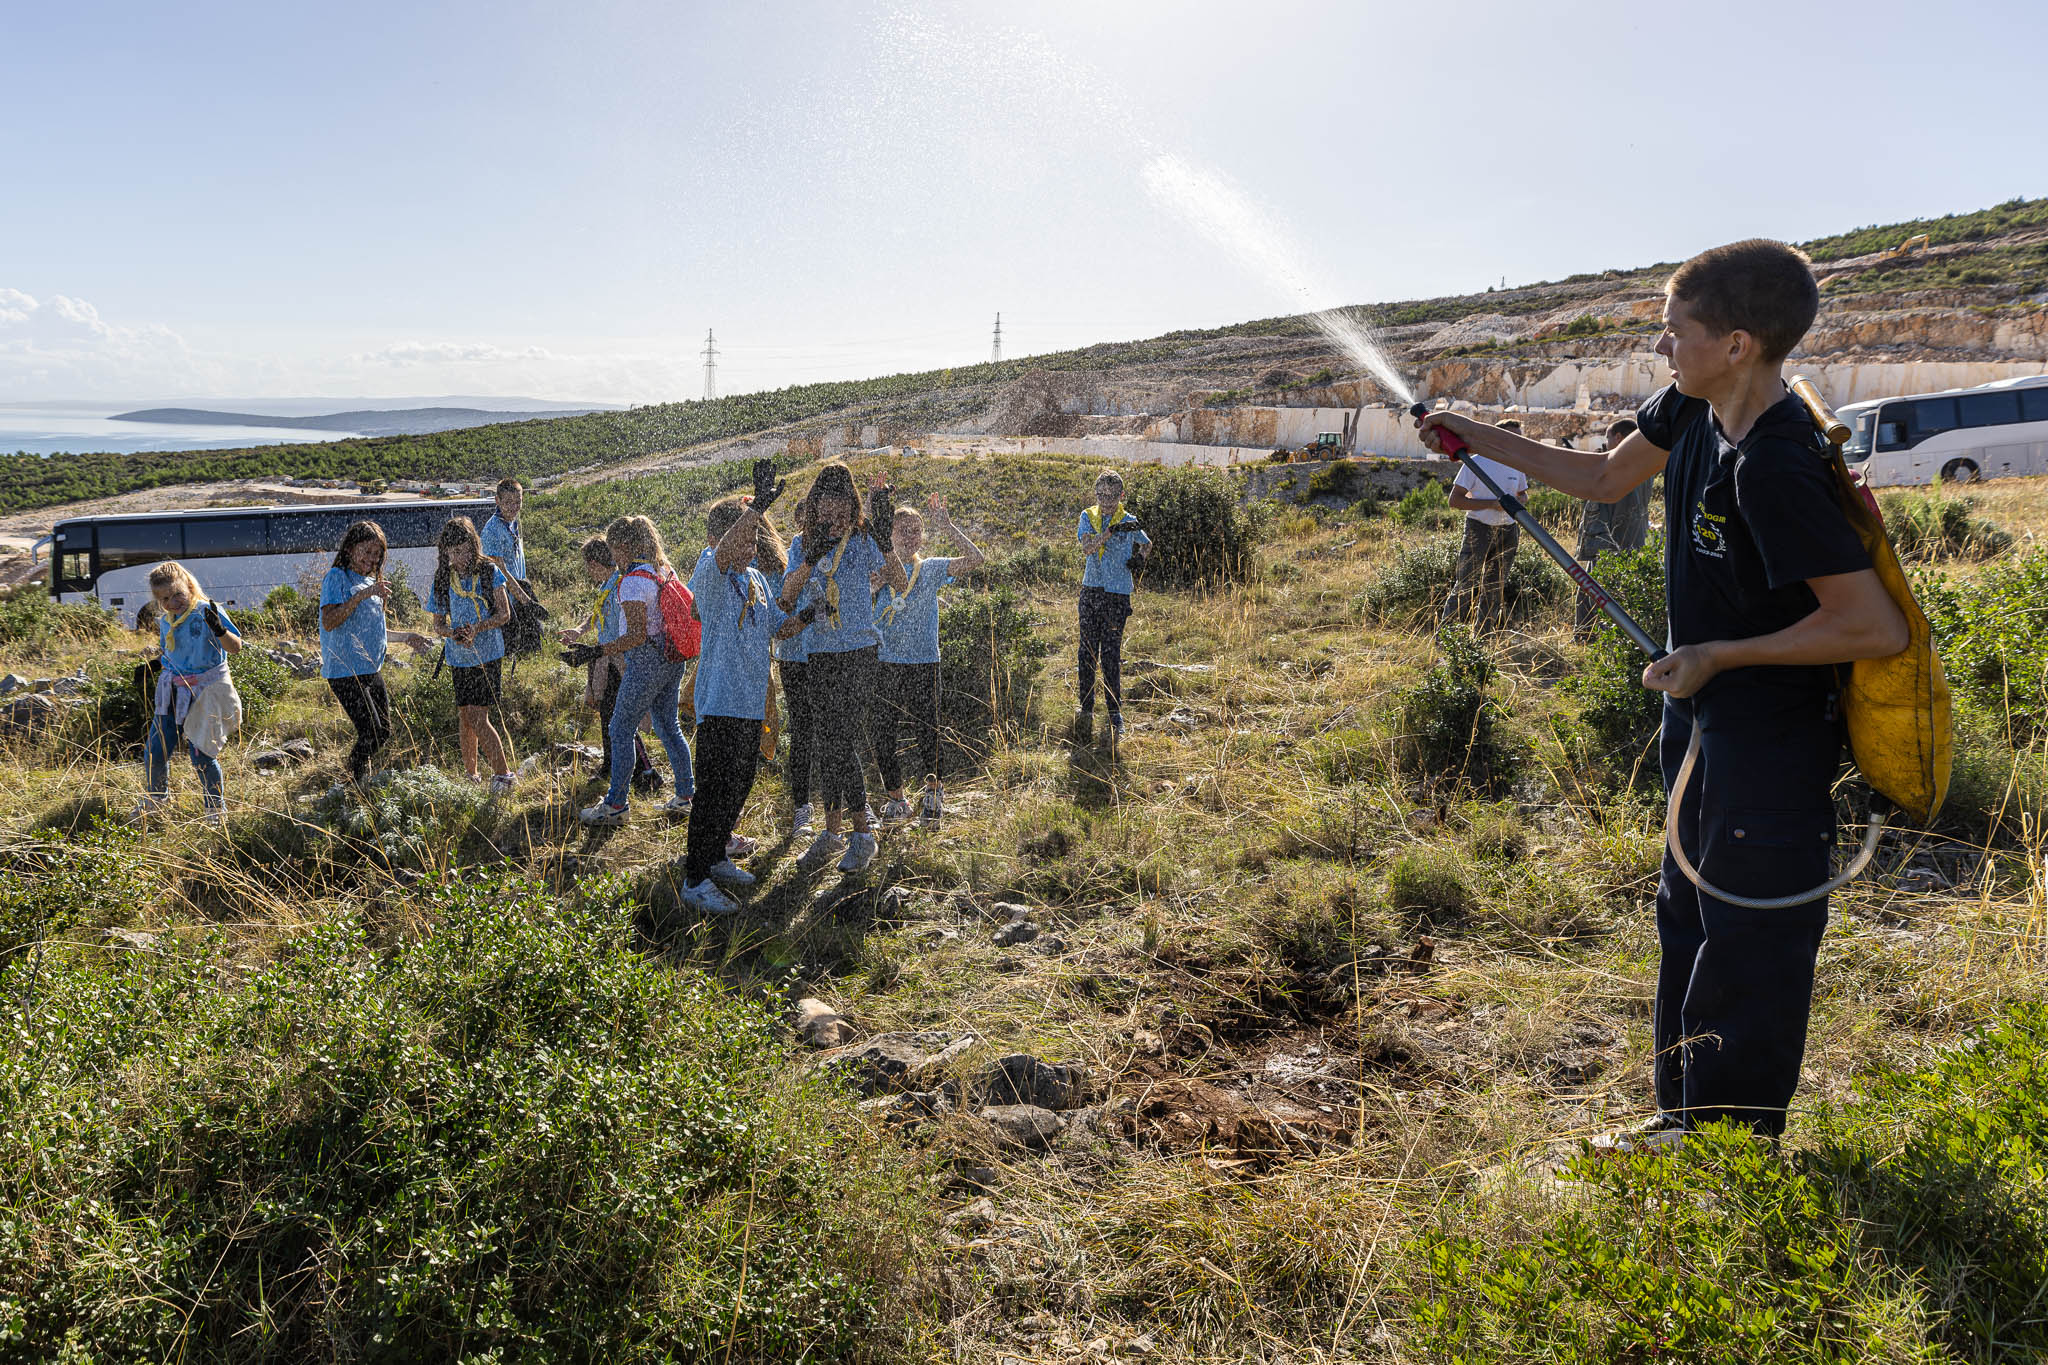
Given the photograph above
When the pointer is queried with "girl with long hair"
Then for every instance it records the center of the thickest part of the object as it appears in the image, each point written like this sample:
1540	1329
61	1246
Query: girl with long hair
601	686
792	665
652	682
831	561
471	605
195	698
354	638
907	677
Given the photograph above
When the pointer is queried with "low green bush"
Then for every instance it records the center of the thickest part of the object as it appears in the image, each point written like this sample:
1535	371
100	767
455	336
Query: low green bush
1202	536
31	622
1915	1228
1347	756
991	656
515	1138
1426	507
1992	634
407	816
1623	714
1427	885
261	681
1559	512
1449	726
1413	588
1935	525
50	883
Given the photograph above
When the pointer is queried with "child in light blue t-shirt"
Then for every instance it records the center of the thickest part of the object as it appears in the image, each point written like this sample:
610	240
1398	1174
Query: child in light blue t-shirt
1111	541
471	606
195	698
907	682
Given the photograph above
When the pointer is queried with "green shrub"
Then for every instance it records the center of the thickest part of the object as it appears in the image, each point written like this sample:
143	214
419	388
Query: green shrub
31	622
114	719
1935	525
408	816
1427	506
1347	756
261	680
1202	536
1449	729
1426	884
1616	707
991	657
1992	635
1413	588
49	884
1584	325
515	1138
1040	564
1559	512
1916	1230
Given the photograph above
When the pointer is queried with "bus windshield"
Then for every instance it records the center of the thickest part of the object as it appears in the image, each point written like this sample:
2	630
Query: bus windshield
1858	445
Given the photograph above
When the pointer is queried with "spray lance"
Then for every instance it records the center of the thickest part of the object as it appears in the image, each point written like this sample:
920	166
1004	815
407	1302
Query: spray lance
1454	446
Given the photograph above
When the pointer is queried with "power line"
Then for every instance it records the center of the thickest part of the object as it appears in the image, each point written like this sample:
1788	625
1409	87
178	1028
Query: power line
710	365
995	353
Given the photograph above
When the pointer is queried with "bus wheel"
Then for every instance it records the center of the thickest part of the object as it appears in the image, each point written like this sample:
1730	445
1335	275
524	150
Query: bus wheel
1959	471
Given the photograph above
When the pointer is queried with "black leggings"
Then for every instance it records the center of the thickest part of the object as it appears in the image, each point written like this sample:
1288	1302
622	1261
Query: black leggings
906	697
840	686
796	695
727	750
368	707
1103	614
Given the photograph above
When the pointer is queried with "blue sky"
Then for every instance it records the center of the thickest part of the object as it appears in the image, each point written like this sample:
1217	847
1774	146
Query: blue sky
214	199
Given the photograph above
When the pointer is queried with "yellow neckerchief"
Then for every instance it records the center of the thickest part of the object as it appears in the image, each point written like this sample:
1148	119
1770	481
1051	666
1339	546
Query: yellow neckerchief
604	595
171	623
748	600
832	579
1097	520
887	615
455	589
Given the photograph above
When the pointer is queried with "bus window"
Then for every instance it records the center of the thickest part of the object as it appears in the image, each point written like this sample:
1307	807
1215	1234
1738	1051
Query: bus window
409	528
74	571
1857	447
1931	417
1893	427
2034	404
128	544
303	532
216	536
1990	409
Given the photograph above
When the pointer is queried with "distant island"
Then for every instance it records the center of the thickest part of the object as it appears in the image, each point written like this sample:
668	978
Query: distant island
370	422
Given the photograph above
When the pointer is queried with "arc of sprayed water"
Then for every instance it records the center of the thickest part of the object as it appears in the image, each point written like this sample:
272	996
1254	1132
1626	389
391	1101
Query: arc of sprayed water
1232	220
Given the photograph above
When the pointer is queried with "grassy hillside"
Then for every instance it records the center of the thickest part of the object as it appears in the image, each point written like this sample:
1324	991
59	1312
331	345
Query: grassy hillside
932	398
1350	943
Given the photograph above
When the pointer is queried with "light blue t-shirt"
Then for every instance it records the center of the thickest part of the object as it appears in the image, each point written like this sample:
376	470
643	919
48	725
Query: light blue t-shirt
190	648
909	625
856	628
358	646
797	649
1109	570
468	601
611	615
740	620
503	543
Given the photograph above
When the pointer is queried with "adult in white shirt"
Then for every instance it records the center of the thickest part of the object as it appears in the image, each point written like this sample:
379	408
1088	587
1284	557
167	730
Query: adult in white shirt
1491	538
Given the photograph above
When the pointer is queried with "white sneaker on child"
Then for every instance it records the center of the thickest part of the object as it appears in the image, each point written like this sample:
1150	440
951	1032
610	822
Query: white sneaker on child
729	873
678	805
216	816
740	846
860	851
896	811
801	825
705	896
603	813
932	806
501	785
823	849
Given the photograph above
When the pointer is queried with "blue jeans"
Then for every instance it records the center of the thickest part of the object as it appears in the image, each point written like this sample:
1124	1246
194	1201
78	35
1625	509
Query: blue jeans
164	733
651	683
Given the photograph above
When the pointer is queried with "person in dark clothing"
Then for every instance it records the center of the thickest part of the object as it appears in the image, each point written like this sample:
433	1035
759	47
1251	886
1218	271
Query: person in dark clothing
1607	528
1768	589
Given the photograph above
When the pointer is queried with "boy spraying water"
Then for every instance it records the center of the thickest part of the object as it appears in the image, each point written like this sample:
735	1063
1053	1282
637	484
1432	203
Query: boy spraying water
1768	589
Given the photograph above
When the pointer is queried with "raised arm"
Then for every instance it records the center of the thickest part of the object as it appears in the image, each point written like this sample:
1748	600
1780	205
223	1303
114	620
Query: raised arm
970	557
1594	475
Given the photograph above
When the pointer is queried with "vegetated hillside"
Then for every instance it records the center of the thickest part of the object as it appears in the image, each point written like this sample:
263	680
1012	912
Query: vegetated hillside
1995	258
1317	979
366	422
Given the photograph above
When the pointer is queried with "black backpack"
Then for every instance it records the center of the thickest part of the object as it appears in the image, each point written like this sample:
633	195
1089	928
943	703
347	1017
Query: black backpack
526	632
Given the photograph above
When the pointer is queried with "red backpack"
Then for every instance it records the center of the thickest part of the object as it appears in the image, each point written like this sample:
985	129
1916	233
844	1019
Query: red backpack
679	623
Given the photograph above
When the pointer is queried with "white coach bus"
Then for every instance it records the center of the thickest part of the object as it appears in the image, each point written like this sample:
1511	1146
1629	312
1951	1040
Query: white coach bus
1958	436
238	554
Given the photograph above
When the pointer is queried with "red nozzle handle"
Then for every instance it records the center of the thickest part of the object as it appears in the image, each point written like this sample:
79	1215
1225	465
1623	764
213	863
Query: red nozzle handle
1453	444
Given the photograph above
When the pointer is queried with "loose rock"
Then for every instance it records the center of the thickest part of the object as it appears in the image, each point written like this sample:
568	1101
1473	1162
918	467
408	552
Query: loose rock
1024	1125
819	1025
1023	1079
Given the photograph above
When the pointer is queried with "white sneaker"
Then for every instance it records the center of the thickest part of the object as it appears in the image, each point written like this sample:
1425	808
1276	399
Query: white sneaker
501	785
822	850
706	897
678	805
216	816
896	811
603	813
932	806
801	825
740	846
729	873
860	851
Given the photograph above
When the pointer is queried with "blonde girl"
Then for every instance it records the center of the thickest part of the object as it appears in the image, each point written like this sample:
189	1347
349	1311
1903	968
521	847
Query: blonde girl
195	698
